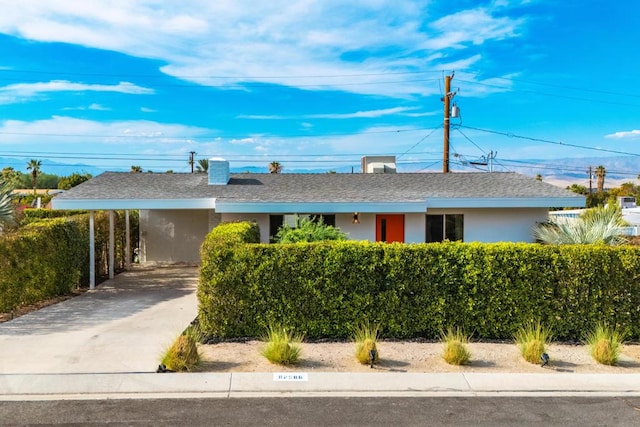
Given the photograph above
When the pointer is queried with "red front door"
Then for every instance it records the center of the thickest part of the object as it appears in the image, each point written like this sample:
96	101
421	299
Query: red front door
390	228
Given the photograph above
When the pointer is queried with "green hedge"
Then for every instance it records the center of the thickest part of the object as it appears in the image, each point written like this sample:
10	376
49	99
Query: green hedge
42	260
50	257
324	289
32	215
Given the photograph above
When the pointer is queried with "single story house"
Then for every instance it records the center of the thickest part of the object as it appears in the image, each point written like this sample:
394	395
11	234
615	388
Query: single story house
178	210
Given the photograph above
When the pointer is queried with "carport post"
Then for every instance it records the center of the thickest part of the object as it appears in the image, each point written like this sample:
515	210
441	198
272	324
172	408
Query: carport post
111	246
92	252
127	247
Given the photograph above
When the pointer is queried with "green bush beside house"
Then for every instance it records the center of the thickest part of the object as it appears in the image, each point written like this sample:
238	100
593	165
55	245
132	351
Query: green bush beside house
323	289
48	255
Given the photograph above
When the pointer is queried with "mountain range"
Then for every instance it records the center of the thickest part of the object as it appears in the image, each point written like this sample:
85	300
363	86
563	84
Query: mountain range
561	172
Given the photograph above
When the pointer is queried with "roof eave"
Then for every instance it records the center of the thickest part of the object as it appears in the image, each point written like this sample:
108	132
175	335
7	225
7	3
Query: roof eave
115	204
505	202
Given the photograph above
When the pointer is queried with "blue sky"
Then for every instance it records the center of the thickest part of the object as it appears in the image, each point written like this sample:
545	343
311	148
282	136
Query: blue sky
316	84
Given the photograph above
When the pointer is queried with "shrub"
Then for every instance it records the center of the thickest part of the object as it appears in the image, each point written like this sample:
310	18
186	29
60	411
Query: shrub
605	343
455	347
281	347
366	339
601	225
531	341
416	290
309	231
182	356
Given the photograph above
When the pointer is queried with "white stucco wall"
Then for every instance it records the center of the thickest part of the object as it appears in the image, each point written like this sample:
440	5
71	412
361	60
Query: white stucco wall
498	225
261	219
172	235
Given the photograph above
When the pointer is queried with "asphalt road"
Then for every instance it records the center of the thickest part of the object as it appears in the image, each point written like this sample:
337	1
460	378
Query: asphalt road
329	411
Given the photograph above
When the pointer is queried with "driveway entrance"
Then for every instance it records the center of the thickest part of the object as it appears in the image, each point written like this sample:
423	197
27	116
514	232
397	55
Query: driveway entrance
124	325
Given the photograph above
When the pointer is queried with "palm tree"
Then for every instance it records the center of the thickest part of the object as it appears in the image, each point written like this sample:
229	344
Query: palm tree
275	167
600	174
6	206
202	166
34	167
136	169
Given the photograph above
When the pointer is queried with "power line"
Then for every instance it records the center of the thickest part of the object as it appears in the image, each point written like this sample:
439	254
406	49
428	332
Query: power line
419	142
204	76
555	95
547	141
182	138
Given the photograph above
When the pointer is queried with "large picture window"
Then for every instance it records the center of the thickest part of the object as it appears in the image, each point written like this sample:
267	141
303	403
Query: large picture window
444	227
277	221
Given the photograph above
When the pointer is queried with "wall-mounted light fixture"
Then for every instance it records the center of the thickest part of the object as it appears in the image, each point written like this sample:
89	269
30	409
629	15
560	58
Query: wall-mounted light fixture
356	218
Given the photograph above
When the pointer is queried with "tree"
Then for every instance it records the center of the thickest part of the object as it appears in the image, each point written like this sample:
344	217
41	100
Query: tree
136	169
10	177
34	167
538	177
600	172
202	166
275	167
309	231
6	205
579	189
72	180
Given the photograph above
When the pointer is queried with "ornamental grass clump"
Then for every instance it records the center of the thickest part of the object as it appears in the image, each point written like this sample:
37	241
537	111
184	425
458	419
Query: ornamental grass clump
605	343
182	356
455	347
366	337
531	341
281	346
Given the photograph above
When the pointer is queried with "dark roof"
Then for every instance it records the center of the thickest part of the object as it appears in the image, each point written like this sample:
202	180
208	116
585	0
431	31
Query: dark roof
400	187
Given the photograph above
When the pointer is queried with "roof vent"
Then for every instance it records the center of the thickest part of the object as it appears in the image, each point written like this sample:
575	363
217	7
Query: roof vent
218	171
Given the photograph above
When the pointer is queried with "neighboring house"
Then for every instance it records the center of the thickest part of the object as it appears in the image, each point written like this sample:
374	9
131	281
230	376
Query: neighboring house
178	210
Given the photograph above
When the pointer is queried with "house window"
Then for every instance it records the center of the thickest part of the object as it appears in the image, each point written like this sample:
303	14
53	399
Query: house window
277	221
444	227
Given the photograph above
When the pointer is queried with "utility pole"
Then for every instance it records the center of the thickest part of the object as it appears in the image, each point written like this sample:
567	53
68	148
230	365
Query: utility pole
191	161
492	156
447	108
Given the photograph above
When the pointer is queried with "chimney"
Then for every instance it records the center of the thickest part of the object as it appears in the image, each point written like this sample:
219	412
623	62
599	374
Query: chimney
218	171
378	164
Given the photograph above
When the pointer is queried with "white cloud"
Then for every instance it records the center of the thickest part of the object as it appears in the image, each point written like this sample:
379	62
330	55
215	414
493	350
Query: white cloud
402	111
632	134
148	110
274	42
95	107
80	131
20	92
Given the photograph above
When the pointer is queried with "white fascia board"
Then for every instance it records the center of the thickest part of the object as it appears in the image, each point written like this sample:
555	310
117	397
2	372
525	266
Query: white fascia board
320	207
107	204
506	202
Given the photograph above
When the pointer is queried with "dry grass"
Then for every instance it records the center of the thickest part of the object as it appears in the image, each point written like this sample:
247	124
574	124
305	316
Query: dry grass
455	347
182	356
366	338
605	344
532	341
281	346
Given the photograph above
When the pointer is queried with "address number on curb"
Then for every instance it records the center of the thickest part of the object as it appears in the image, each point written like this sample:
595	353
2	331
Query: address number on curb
291	376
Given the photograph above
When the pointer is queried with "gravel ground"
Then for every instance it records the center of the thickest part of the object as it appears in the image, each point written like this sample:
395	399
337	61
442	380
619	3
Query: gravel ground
402	356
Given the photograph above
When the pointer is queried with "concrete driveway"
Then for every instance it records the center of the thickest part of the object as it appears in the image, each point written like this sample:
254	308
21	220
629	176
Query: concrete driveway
124	325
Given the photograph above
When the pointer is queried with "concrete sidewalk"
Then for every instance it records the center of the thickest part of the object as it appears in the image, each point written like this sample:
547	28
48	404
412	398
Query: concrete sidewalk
238	385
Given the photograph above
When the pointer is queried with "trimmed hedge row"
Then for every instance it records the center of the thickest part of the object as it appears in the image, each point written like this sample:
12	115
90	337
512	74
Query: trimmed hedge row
50	257
42	260
324	289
